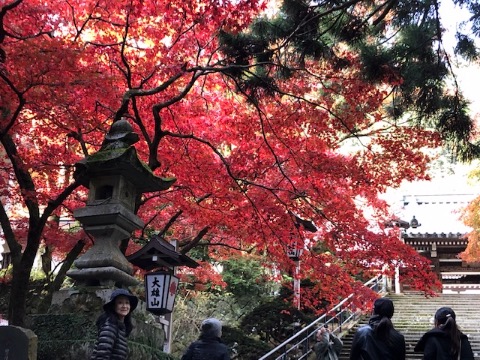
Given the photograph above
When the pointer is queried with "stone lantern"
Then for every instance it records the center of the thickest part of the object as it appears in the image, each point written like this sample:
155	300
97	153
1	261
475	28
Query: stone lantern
115	178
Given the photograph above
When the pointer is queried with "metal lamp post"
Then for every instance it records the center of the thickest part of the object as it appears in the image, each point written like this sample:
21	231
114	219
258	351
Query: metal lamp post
403	225
294	253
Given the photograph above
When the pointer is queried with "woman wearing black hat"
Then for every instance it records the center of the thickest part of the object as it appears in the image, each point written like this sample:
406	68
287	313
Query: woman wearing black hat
114	326
379	340
445	341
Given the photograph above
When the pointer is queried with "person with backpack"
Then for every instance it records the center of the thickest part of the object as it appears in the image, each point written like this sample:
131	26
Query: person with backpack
445	341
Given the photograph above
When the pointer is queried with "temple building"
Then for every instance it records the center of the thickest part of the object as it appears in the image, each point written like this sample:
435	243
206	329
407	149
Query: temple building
440	235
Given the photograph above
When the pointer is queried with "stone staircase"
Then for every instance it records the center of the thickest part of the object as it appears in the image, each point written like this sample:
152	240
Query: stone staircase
414	316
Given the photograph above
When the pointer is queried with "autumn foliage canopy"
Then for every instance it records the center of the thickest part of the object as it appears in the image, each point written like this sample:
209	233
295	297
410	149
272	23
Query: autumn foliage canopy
254	168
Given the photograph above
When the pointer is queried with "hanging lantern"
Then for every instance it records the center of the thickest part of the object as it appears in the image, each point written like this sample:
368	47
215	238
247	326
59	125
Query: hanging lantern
160	291
294	252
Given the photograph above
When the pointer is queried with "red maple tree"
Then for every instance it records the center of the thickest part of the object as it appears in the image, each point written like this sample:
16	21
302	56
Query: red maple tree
469	216
248	169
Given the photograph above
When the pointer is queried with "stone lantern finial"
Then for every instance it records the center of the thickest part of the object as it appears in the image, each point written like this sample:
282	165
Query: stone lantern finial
120	136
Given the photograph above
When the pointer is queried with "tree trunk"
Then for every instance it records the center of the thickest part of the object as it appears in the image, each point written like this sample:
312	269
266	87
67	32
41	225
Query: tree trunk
18	294
60	277
22	268
47	260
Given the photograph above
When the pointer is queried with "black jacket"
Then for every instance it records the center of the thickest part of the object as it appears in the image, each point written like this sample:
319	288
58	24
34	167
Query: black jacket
366	346
435	345
207	348
111	342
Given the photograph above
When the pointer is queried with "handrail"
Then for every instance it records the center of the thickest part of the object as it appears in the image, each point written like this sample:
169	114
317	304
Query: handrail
302	344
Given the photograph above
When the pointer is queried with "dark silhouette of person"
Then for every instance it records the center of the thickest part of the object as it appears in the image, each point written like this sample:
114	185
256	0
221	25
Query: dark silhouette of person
379	340
445	341
209	345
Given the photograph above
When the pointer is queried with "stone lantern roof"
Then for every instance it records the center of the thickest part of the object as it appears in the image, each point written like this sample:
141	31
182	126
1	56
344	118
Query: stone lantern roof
117	156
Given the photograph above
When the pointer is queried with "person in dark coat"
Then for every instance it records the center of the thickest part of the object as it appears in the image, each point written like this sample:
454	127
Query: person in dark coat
328	345
445	341
209	345
114	326
379	340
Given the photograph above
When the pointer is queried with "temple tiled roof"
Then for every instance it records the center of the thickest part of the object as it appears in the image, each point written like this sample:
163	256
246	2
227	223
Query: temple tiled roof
438	214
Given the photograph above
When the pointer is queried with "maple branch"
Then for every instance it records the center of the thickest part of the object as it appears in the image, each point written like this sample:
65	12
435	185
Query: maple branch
23	37
27	188
181	33
129	94
186	248
8	233
272	151
78	135
55	203
241	183
19	107
159	133
107	45
170	222
10	6
127	71
66	264
307	101
389	4
87	20
151	219
24	179
225	245
244	182
3	12
174	216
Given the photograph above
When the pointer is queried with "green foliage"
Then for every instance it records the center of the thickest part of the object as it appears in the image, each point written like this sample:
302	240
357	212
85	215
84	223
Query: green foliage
267	325
274	321
6	274
37	275
144	351
60	335
247	286
376	62
466	47
246	277
244	345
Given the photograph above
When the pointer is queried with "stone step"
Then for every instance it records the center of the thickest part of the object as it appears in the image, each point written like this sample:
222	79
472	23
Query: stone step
414	316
